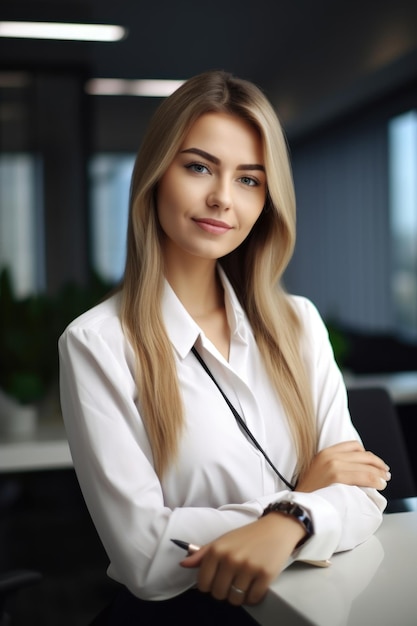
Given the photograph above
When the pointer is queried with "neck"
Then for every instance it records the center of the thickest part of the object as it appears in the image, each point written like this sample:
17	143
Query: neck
197	286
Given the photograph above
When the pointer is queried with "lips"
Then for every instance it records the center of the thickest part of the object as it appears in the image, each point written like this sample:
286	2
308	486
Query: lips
216	227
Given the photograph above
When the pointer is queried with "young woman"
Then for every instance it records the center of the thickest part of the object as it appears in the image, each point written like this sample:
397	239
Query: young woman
159	451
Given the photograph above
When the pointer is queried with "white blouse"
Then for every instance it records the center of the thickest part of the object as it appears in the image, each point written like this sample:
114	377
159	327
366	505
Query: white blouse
219	481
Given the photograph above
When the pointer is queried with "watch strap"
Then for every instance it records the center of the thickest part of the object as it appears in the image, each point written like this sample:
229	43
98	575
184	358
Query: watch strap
296	511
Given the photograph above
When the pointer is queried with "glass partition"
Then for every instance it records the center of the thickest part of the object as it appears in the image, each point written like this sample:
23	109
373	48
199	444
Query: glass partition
403	218
21	223
109	192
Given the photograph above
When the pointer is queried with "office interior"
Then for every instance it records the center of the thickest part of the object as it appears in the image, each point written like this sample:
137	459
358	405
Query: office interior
343	79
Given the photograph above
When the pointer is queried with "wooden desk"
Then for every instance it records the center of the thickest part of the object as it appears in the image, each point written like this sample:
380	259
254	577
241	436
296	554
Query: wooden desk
372	585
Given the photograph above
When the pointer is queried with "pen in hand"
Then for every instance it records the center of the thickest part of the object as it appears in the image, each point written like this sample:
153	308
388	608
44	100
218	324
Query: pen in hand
190	547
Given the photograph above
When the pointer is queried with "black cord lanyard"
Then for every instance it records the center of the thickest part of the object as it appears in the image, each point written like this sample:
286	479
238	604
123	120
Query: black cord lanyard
240	420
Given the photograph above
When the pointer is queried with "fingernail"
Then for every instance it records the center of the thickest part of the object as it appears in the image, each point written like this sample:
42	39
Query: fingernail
388	475
383	482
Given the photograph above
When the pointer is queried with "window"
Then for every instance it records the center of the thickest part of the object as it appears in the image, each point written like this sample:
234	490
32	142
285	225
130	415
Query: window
21	207
402	137
21	246
109	183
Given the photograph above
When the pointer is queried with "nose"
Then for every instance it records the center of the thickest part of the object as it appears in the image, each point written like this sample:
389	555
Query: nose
220	194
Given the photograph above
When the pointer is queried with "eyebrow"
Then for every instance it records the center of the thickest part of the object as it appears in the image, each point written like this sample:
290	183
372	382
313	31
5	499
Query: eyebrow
216	161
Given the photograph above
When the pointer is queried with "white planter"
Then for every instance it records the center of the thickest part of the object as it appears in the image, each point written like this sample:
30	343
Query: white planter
17	421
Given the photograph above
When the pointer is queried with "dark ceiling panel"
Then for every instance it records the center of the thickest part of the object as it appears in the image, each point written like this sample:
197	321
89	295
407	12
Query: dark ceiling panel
311	58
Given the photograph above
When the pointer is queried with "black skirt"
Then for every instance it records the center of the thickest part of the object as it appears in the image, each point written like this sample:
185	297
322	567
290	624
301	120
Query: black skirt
191	608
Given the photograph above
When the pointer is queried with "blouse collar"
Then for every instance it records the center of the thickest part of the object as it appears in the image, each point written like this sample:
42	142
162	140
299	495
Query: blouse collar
183	331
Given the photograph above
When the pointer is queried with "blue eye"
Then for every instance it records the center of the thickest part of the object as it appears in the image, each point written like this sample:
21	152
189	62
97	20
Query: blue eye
247	180
198	168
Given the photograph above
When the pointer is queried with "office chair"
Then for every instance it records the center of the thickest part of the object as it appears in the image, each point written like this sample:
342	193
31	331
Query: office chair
374	416
11	582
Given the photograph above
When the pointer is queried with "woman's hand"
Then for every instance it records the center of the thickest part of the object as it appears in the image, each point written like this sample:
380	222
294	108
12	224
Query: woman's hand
240	565
347	463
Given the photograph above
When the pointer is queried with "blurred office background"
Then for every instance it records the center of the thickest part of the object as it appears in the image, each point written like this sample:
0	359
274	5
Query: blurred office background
343	79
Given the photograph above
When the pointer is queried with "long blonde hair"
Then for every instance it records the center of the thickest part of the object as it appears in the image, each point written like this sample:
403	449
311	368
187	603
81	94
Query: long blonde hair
254	269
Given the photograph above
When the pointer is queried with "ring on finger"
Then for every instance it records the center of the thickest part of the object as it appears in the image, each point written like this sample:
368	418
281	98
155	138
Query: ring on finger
237	590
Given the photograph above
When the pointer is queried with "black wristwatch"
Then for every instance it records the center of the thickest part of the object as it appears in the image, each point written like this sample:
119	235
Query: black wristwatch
297	512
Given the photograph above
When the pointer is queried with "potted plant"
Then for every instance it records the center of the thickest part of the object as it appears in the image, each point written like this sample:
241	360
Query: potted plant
28	356
29	332
339	342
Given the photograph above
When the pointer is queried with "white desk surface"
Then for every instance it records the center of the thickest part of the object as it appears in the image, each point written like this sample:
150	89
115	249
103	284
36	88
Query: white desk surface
402	386
44	450
373	585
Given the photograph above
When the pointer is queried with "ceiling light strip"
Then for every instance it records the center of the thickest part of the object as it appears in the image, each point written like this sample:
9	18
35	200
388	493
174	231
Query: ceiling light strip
124	87
62	30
